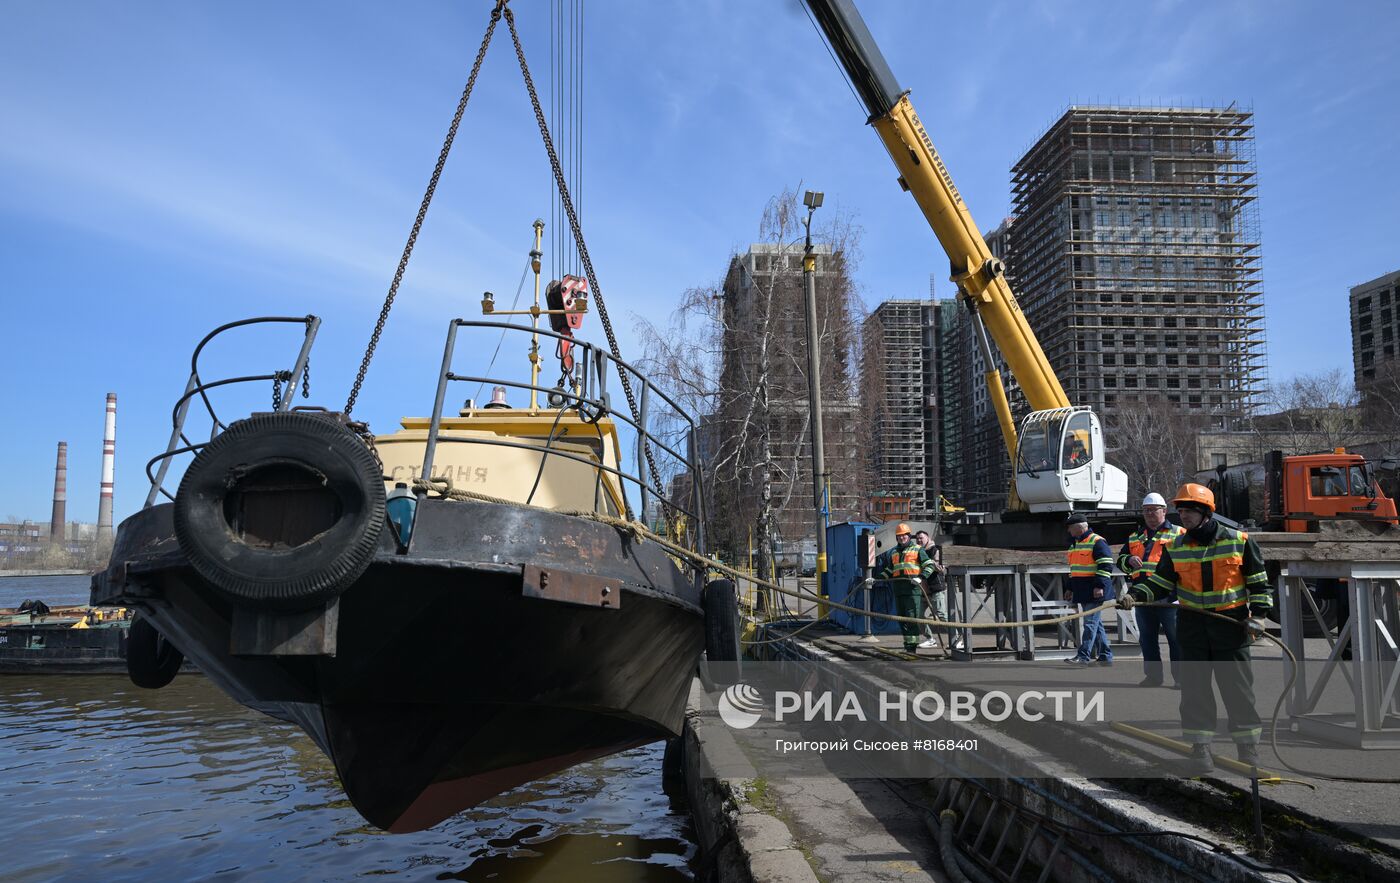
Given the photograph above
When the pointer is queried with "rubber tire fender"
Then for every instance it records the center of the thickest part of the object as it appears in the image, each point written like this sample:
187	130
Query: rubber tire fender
151	660
721	604
304	575
721	665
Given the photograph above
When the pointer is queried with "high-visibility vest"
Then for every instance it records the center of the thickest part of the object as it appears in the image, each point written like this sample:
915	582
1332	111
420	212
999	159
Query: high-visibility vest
1082	563
1229	586
904	562
1137	545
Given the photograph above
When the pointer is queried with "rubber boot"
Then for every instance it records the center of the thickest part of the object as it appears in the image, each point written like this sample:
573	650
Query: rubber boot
1200	763
1248	753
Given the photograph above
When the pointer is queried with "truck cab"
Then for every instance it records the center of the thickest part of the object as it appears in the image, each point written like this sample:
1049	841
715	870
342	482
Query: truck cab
1299	493
1338	485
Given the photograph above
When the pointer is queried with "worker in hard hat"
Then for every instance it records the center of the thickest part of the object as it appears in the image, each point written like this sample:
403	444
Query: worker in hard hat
1090	584
909	568
1138	559
1216	569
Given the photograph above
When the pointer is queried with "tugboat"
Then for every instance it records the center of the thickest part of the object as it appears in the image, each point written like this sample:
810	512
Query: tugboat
441	640
455	608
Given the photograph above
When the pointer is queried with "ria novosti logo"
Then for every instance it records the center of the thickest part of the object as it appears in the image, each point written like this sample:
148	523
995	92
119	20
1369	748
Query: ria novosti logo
740	706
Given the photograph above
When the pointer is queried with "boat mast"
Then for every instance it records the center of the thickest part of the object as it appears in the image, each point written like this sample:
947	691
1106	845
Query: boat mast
535	255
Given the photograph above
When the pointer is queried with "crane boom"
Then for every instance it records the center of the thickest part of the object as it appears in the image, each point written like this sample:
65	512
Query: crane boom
977	273
1058	458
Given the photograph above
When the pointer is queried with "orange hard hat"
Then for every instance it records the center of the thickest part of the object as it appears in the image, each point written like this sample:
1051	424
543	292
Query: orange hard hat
1195	493
902	529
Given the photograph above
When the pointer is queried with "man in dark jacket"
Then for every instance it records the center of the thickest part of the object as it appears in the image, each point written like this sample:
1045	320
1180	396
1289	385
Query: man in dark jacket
1090	585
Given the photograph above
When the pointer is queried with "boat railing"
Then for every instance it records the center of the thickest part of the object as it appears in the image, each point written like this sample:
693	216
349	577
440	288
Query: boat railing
283	389
656	455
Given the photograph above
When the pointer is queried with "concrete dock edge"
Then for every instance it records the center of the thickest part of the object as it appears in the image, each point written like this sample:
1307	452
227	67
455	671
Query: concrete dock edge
741	837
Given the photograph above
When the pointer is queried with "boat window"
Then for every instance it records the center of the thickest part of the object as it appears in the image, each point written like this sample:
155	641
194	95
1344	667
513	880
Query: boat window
1077	448
1327	481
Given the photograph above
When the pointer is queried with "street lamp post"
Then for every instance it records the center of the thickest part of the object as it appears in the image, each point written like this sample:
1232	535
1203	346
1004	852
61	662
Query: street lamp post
813	200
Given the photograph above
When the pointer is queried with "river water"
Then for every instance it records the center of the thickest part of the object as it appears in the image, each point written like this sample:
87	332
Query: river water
102	780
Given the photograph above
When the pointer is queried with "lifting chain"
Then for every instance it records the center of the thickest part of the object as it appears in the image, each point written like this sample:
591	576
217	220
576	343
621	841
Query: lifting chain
423	209
583	252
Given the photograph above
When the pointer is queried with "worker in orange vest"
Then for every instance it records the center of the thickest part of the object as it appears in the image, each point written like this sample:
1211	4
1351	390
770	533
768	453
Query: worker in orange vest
908	567
1138	559
1215	569
1090	584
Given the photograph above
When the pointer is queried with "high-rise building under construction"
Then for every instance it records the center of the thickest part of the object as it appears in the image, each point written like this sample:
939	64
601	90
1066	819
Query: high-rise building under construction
760	425
1135	256
901	391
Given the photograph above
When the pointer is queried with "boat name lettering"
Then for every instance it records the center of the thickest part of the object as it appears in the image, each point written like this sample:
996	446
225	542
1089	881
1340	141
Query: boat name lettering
459	474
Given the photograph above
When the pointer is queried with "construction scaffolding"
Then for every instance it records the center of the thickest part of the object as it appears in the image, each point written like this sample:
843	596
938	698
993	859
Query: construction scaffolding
896	354
1137	259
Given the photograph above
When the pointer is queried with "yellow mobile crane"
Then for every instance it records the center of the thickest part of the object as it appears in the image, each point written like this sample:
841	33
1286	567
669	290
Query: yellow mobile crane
1059	453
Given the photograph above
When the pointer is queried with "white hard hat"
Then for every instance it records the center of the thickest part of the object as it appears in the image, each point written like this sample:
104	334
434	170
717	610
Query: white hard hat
1154	499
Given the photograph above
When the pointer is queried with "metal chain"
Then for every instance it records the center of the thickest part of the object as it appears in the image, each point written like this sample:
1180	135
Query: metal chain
278	378
582	250
423	209
306	379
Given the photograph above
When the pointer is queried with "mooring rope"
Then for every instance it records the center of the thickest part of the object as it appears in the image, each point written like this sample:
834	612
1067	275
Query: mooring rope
443	487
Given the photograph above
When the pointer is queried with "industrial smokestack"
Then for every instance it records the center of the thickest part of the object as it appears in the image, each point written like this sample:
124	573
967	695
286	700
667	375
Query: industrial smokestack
109	457
60	497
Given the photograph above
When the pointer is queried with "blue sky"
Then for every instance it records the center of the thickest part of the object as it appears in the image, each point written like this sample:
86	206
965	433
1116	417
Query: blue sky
169	166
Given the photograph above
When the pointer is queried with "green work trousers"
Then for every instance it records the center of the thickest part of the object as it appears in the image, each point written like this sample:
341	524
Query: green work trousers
908	601
1213	648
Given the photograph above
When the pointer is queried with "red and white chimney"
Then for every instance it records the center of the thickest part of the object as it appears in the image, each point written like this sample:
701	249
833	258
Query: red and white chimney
57	526
109	458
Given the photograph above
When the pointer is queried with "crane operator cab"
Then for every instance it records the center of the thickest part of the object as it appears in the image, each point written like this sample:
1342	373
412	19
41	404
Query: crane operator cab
1060	463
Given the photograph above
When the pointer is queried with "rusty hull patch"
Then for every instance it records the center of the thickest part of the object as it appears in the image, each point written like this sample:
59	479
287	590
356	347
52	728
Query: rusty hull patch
553	584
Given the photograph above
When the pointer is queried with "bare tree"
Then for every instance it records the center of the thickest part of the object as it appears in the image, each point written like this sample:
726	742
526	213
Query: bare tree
1155	444
1380	405
1311	412
734	353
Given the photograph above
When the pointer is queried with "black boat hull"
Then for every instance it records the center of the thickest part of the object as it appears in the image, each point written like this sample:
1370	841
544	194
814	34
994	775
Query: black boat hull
452	671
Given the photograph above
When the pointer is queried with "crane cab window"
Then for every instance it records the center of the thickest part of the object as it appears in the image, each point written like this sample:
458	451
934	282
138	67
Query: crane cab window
1036	449
1327	481
1077	446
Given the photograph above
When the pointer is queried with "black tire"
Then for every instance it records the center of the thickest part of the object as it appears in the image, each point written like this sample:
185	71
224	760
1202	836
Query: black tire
721	666
231	512
1325	606
1234	494
722	628
151	660
673	763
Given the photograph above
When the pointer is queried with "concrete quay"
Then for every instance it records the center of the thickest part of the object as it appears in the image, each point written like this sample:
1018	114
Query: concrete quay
1056	825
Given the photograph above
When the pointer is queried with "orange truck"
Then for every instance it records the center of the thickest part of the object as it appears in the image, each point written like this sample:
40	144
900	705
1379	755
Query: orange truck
1301	493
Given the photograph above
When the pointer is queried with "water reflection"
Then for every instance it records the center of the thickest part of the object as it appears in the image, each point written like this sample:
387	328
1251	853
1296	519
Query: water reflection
98	778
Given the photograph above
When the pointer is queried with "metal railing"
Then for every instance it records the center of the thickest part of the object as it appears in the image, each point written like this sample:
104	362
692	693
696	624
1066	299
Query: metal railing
284	385
590	399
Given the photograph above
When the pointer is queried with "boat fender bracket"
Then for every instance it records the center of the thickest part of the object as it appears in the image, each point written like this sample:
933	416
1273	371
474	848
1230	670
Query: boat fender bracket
311	632
552	584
